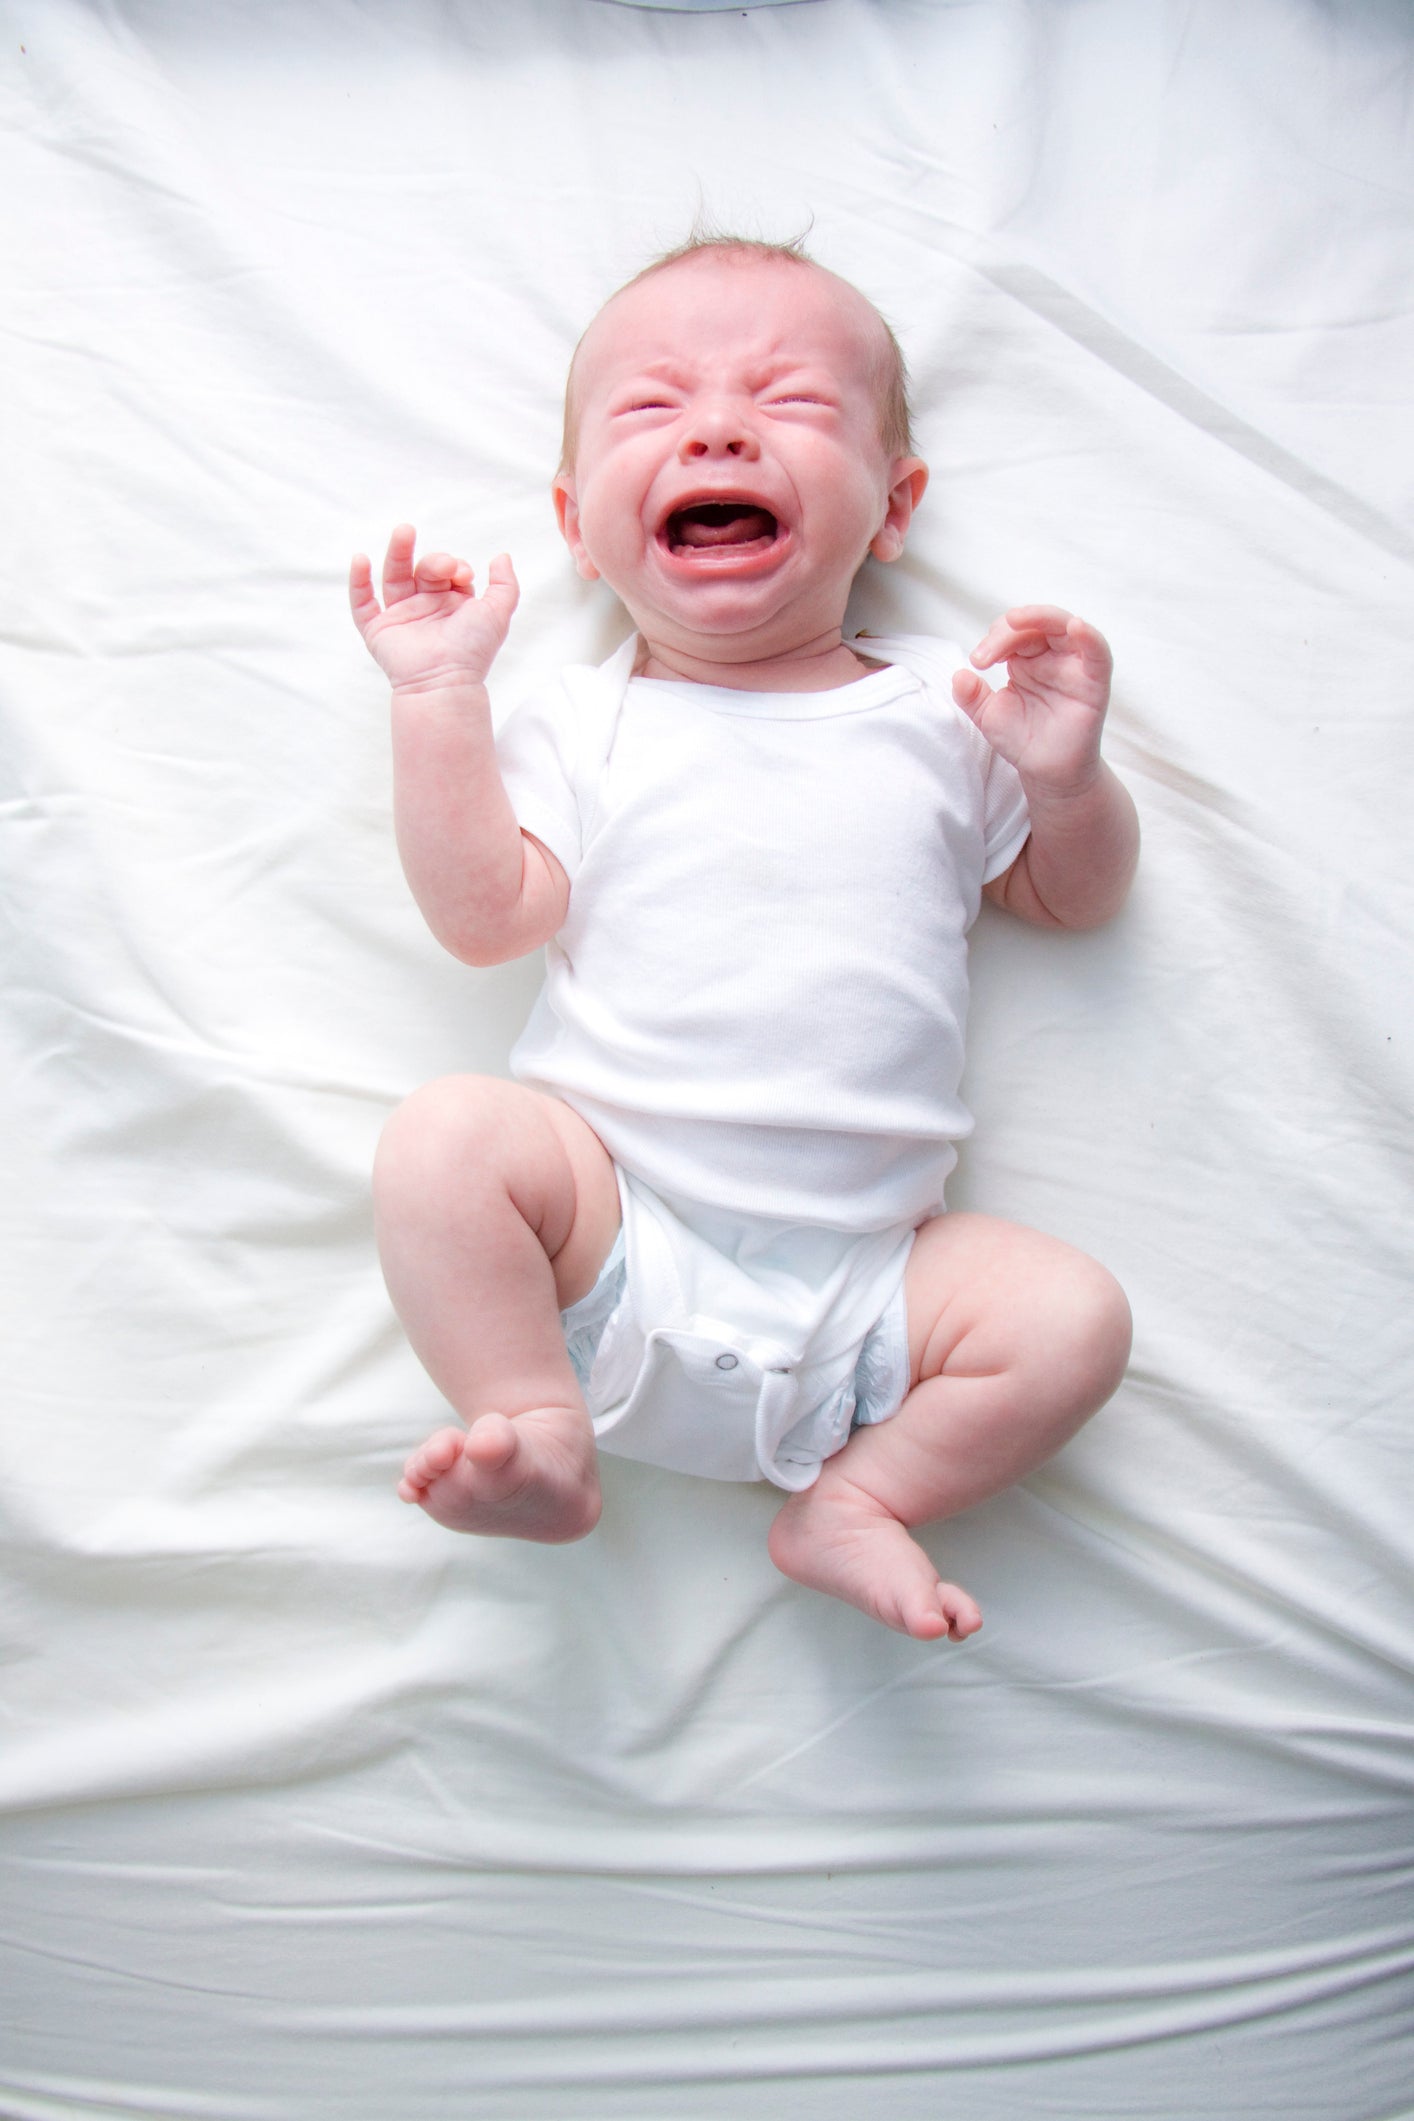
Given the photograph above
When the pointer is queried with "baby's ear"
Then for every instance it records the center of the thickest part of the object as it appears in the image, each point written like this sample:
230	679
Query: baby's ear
909	476
567	516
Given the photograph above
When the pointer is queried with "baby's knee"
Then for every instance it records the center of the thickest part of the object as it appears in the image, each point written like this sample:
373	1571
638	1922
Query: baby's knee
1098	1328
446	1131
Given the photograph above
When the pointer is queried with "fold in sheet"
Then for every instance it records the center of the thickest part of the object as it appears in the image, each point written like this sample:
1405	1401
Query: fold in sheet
310	1809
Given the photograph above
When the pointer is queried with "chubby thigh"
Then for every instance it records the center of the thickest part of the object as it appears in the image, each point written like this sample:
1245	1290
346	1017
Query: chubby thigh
593	1202
986	1295
465	1149
1014	1340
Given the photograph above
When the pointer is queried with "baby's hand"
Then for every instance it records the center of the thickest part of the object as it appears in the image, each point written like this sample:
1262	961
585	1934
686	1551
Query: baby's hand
1048	716
432	629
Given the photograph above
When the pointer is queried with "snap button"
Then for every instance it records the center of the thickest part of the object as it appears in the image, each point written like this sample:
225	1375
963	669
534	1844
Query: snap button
726	1362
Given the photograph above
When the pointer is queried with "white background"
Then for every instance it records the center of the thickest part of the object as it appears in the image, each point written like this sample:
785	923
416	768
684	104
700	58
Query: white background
310	1810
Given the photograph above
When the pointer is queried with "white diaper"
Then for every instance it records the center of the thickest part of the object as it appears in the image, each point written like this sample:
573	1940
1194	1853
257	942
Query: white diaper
737	1348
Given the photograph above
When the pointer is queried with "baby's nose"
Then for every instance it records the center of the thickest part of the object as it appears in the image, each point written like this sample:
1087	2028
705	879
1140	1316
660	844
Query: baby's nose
719	431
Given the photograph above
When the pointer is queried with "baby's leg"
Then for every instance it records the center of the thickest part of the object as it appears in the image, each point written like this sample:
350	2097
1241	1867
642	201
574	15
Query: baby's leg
496	1208
1015	1340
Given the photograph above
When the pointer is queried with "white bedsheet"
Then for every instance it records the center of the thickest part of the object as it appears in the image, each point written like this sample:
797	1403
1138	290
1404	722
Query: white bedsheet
310	1810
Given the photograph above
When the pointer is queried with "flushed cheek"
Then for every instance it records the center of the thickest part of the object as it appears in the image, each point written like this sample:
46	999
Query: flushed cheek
611	537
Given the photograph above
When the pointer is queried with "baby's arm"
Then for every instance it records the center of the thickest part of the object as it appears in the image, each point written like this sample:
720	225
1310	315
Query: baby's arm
1076	867
489	891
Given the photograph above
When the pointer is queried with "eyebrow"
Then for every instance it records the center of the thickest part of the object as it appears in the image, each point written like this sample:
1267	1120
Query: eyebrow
760	374
670	368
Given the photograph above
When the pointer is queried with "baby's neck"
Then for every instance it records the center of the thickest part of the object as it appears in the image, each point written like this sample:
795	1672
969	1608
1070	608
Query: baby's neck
818	668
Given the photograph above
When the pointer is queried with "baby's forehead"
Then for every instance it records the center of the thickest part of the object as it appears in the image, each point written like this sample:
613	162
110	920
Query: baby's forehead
767	305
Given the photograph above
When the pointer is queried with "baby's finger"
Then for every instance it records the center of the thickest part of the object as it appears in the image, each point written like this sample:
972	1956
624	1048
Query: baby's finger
1047	619
362	602
398	580
1079	657
1043	626
1029	630
1032	630
440	570
1001	640
501	576
1086	641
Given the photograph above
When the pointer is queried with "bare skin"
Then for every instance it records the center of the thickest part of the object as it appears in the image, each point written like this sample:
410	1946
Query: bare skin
496	1208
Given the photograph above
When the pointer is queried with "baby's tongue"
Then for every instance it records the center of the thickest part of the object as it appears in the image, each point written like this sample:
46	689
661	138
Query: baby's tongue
722	523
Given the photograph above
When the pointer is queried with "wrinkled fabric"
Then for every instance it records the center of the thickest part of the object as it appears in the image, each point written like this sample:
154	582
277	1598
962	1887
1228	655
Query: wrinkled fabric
309	1809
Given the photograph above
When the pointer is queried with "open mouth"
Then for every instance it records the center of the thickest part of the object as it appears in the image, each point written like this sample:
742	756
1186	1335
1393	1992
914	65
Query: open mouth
726	527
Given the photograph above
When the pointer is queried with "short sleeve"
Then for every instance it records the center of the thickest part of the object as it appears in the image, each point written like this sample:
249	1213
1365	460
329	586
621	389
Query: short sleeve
533	751
1005	820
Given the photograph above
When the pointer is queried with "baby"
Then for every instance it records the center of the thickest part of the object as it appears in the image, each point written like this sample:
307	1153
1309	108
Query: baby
704	1226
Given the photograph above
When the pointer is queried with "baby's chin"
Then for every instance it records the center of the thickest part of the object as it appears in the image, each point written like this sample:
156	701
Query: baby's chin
762	658
713	611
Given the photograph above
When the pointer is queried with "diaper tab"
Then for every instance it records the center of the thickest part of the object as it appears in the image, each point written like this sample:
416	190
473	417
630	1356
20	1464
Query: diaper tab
697	1406
777	1412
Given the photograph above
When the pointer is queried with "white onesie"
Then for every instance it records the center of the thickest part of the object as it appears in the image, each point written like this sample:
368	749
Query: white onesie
758	1002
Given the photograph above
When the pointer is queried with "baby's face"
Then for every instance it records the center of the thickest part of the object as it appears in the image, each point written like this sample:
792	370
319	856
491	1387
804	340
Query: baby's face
729	475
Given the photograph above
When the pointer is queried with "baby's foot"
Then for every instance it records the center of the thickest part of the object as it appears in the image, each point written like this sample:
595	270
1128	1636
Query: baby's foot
532	1478
836	1538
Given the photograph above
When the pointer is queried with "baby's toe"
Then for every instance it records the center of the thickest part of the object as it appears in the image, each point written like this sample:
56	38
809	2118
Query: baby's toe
491	1441
962	1614
941	1611
435	1457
